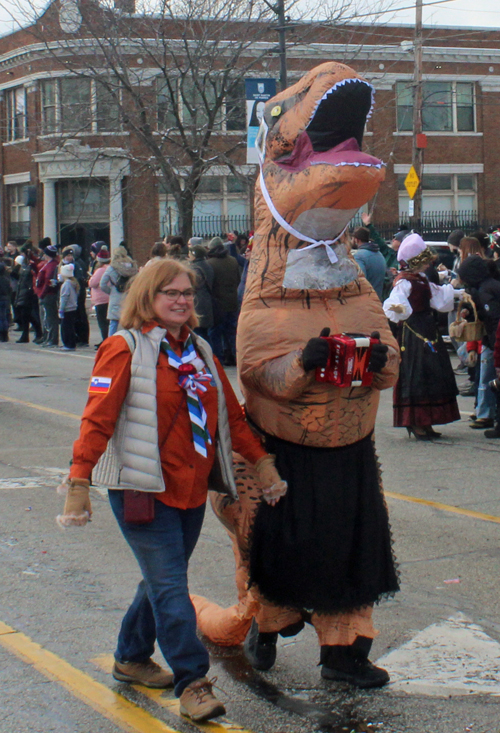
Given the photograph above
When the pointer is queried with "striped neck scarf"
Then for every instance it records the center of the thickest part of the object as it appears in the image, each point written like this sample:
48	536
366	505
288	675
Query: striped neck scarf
193	378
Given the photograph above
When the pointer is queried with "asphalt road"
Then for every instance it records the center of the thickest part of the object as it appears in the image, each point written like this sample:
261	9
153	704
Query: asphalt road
62	594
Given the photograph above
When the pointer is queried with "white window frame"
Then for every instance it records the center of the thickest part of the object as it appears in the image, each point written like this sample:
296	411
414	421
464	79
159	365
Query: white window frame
94	129
454	106
11	107
454	192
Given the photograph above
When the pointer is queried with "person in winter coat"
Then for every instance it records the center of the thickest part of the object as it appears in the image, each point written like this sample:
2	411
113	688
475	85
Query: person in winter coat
369	257
98	297
26	302
68	306
5	293
114	282
82	327
203	302
190	418
225	295
47	287
479	276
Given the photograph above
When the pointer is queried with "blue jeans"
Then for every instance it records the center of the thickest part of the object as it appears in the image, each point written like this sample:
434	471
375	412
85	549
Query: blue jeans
223	335
113	326
162	608
486	400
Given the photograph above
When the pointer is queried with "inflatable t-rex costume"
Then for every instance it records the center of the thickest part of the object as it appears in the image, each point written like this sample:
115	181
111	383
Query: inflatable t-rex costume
314	178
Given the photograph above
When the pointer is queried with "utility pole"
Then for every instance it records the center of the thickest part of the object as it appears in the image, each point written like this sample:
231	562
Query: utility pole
417	152
280	12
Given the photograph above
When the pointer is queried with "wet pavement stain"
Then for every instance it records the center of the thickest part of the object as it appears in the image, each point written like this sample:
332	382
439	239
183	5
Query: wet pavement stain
324	719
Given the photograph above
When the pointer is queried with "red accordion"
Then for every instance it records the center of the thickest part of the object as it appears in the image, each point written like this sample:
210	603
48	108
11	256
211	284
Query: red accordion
348	361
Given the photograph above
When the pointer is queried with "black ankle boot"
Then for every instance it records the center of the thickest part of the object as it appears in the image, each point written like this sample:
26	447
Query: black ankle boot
260	648
4	336
351	664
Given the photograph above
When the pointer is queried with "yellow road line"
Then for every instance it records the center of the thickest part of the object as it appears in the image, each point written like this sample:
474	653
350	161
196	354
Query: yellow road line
72	415
444	507
166	699
111	705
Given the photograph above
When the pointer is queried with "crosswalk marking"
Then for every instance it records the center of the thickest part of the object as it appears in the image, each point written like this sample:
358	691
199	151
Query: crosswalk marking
451	657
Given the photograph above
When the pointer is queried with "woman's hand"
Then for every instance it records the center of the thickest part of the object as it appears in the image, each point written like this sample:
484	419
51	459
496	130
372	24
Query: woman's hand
397	308
273	487
77	508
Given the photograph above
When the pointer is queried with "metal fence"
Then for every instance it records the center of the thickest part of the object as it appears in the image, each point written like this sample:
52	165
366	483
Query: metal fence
211	226
436	226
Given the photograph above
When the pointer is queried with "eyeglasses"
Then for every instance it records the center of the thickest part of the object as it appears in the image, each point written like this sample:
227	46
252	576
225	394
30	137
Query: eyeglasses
174	295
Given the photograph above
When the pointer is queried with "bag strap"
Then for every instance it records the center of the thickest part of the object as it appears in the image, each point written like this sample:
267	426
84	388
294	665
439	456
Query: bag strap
174	420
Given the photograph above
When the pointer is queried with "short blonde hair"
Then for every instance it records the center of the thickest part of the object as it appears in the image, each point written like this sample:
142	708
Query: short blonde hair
138	305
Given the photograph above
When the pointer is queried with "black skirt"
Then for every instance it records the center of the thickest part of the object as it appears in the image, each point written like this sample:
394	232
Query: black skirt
326	545
426	390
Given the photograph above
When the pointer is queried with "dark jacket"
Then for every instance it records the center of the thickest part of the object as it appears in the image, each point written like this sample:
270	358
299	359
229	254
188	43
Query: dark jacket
204	283
25	294
226	278
476	273
5	286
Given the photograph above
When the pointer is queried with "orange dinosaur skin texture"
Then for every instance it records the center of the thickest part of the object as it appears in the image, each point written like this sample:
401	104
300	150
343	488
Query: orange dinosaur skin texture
276	322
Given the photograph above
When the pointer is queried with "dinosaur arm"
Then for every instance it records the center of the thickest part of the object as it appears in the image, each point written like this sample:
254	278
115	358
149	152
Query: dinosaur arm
282	378
390	373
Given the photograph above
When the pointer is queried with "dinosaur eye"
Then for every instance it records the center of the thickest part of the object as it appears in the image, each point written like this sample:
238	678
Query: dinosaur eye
276	111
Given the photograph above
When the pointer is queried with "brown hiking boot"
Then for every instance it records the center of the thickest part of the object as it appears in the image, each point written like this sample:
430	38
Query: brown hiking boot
147	673
198	701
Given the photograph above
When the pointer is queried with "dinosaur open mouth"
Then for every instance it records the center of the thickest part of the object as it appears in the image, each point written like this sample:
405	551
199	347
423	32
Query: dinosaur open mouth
335	132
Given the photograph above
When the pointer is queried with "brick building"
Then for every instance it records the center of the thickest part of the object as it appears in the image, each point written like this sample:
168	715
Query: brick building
74	168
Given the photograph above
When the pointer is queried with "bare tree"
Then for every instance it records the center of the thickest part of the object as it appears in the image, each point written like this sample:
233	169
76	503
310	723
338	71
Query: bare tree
171	75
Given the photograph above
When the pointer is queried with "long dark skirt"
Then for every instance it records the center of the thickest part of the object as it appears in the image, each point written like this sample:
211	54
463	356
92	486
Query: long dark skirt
326	545
426	392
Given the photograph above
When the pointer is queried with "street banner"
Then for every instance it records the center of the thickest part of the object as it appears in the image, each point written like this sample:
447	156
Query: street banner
258	91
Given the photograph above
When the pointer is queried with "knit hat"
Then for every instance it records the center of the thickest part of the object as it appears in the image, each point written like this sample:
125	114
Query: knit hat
96	247
50	250
195	241
215	242
402	234
67	270
103	254
455	237
414	251
19	260
44	243
199	251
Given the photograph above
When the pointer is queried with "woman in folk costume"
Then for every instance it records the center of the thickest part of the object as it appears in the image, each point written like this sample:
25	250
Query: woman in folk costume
161	415
322	553
426	392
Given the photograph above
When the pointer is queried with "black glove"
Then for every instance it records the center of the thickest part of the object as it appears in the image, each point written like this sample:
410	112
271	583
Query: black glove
378	358
316	352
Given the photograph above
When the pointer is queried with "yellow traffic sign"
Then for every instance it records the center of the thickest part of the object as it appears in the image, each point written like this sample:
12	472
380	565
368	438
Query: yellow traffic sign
412	182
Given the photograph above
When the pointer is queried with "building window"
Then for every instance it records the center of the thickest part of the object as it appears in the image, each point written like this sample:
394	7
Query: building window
73	104
446	106
221	204
19	213
185	98
16	114
82	200
443	193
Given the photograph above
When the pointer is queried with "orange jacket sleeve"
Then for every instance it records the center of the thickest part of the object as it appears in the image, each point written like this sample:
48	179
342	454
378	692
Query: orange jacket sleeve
99	418
245	442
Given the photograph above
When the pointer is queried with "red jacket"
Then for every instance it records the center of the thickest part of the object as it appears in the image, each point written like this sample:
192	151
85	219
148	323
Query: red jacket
47	271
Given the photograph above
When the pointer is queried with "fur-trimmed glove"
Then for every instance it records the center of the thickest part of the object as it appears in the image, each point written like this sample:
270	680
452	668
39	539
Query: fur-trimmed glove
273	487
77	508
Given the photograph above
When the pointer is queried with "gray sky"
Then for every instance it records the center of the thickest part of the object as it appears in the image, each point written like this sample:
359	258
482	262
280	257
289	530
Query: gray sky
486	13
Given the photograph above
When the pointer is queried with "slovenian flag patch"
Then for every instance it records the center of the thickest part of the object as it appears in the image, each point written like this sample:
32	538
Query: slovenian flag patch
100	385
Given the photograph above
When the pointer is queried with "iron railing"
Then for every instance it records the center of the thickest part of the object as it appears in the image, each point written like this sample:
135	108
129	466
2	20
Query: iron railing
210	226
435	226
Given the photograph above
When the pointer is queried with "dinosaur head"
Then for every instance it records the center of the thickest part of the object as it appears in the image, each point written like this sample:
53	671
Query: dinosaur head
310	141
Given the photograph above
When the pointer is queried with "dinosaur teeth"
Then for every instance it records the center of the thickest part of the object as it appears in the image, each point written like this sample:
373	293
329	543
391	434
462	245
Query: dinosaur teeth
341	84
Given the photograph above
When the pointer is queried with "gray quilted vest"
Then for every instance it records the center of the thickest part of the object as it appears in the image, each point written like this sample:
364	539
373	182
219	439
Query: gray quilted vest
132	457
